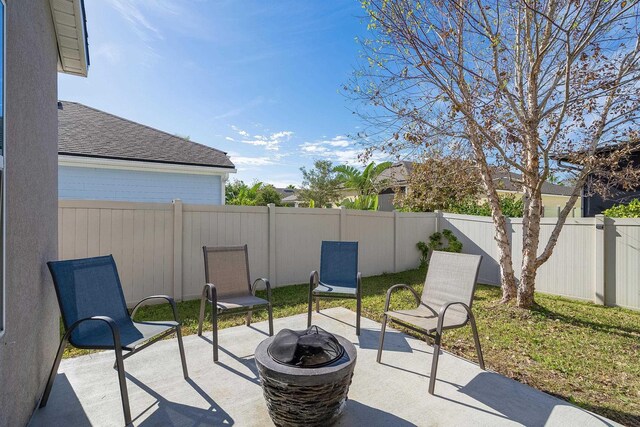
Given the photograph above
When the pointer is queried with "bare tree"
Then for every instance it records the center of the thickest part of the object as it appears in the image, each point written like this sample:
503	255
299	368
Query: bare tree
438	183
514	84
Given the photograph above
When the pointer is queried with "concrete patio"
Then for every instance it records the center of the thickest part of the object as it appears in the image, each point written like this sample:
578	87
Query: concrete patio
393	393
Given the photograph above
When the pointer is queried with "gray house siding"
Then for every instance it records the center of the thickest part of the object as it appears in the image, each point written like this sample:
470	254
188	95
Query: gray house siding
84	183
31	325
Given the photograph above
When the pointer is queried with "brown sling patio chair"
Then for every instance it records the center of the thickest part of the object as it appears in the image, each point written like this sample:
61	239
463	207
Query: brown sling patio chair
445	303
228	288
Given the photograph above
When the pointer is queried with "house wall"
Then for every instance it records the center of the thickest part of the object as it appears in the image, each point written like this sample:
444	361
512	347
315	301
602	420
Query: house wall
28	344
85	183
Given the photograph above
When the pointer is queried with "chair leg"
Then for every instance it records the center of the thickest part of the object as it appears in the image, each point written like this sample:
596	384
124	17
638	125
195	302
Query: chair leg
476	339
317	304
382	332
214	323
181	347
309	310
434	362
123	387
249	314
358	311
270	320
203	298
52	375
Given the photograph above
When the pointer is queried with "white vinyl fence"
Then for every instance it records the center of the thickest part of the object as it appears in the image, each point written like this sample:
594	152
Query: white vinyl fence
158	247
595	259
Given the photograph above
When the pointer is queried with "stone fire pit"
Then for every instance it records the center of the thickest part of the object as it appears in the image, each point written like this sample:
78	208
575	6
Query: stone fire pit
305	396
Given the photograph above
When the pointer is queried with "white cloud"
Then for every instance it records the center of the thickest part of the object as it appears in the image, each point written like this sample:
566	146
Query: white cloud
228	138
339	141
240	160
138	21
269	142
251	161
337	149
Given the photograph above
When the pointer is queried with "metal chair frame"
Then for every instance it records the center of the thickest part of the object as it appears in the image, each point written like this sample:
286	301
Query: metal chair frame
118	349
210	295
434	334
314	281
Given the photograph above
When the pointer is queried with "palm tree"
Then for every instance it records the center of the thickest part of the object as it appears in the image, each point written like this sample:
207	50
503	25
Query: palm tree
365	182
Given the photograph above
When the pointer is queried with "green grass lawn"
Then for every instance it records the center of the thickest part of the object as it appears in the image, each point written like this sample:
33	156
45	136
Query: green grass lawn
581	352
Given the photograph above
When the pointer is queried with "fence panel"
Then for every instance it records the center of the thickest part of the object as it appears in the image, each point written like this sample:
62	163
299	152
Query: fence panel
570	271
139	235
374	232
205	225
411	229
476	234
622	262
299	233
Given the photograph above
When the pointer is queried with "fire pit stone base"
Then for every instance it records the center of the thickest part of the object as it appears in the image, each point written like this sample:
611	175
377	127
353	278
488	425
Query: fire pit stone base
305	396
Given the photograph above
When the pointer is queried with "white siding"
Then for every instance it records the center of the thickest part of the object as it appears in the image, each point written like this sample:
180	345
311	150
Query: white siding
82	183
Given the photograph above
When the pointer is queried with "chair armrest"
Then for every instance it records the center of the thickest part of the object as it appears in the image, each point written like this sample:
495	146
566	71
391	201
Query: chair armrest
115	330
314	278
266	284
445	307
209	291
396	287
165	297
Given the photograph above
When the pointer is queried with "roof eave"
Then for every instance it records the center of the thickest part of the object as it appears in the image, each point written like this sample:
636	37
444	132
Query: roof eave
71	34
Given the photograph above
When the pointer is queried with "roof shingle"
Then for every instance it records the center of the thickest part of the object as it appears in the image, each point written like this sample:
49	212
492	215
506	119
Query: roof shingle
85	131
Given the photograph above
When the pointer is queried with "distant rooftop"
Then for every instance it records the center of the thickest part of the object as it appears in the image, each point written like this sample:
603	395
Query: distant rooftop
88	132
398	174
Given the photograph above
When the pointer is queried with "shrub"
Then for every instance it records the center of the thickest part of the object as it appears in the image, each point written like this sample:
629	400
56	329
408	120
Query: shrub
630	210
436	243
511	207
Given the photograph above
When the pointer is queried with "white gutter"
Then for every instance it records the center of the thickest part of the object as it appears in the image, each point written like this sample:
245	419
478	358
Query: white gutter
135	165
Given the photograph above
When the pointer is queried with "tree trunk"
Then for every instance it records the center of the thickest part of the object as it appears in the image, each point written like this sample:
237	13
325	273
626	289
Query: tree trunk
530	243
507	275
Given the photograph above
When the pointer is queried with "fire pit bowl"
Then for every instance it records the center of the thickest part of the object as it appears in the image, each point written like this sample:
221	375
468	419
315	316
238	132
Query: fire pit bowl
307	383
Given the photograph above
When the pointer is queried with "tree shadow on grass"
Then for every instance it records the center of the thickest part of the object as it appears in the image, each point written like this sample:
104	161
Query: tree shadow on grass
625	331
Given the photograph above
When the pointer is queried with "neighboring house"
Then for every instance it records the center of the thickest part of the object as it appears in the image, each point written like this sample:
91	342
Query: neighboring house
594	204
105	157
554	196
38	38
396	177
289	197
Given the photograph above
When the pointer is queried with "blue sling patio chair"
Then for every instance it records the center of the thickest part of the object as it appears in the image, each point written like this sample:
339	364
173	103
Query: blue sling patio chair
95	316
338	278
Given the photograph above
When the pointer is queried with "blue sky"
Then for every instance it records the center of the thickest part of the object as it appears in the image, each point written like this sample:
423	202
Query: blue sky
257	79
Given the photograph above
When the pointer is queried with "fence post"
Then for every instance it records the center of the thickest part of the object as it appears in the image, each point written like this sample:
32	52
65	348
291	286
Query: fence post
177	250
343	224
396	242
599	297
438	220
273	276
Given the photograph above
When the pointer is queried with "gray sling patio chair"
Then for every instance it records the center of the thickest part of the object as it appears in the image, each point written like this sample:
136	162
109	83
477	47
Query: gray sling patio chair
95	316
228	288
445	303
338	278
